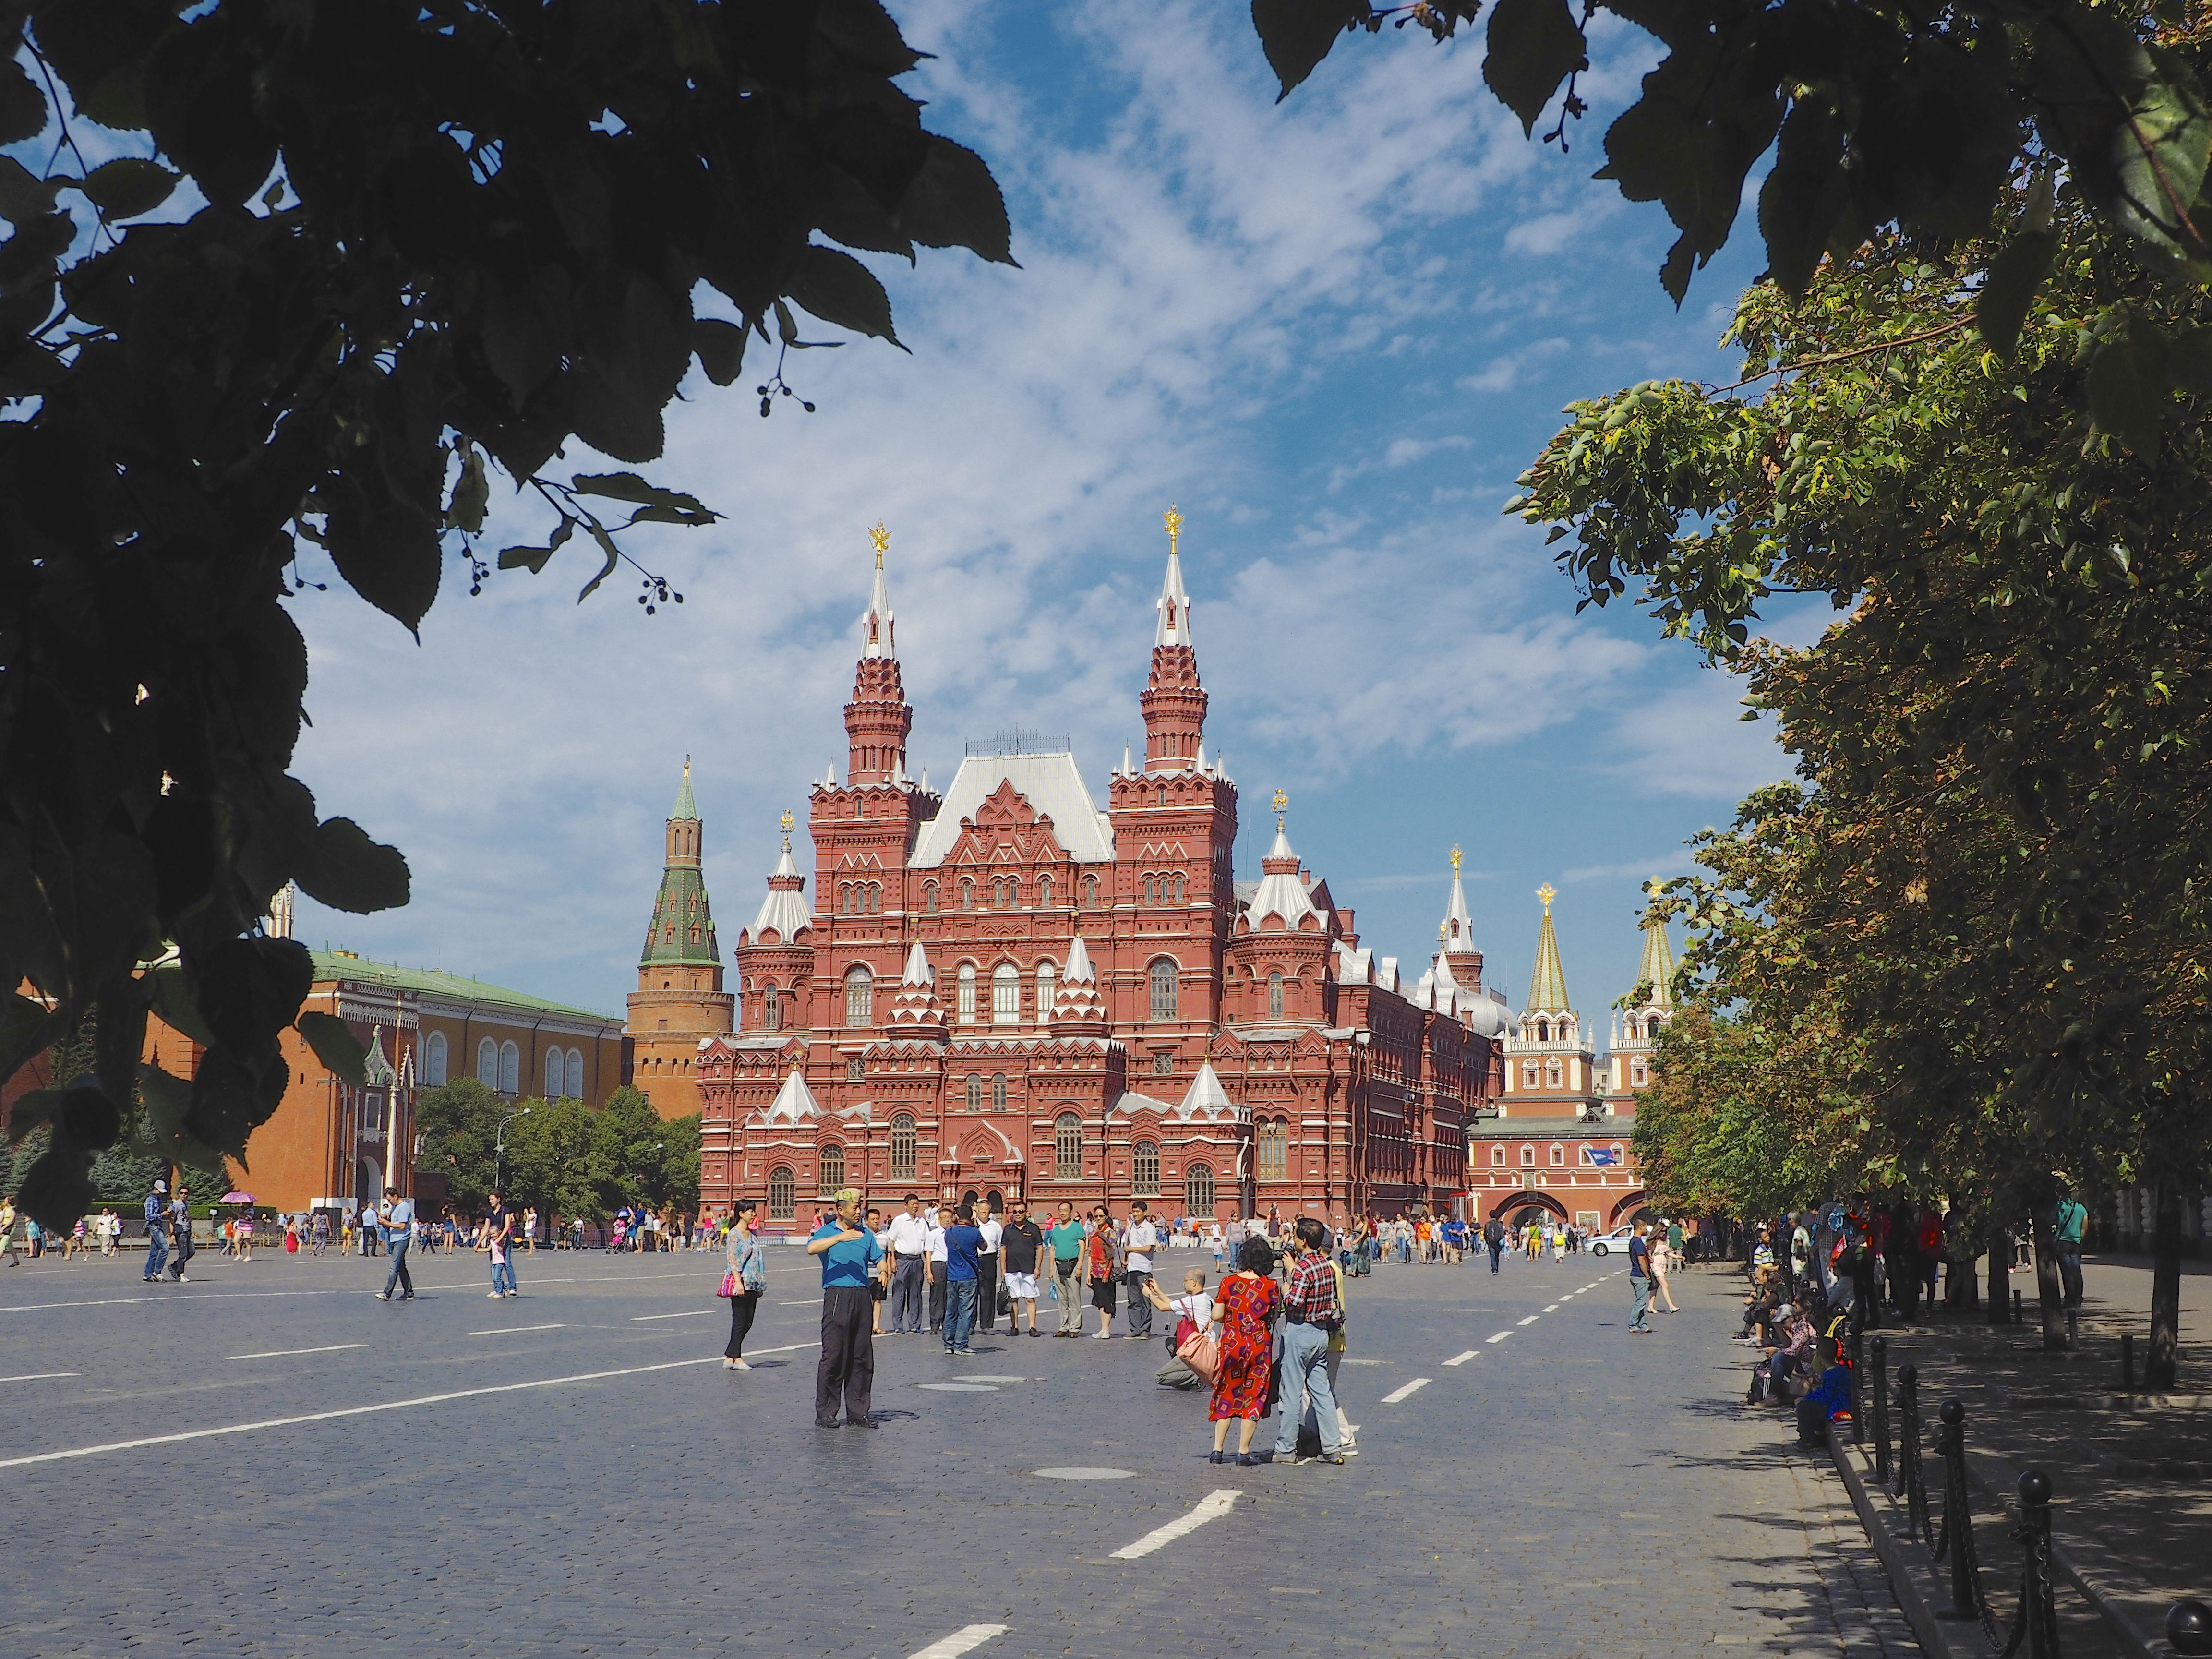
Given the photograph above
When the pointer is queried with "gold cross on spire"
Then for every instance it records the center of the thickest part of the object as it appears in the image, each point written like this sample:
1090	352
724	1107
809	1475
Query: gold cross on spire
1547	893
1454	859
882	538
786	831
1173	519
1282	800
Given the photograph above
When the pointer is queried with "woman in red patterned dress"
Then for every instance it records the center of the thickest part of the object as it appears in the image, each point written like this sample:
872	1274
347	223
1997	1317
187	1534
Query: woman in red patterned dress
1249	1302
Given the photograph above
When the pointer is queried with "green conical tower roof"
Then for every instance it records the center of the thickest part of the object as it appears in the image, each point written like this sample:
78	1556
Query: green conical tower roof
682	927
1658	968
1547	982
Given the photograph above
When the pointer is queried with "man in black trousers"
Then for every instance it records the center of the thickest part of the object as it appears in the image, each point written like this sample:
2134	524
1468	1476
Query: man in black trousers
850	1258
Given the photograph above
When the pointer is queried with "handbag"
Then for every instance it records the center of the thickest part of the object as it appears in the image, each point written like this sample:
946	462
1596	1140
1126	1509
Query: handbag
729	1286
1200	1352
1006	1301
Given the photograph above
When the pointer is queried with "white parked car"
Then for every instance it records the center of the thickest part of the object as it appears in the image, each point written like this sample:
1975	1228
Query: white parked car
1612	1243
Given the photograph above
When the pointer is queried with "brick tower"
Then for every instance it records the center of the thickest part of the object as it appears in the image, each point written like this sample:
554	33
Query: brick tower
679	1000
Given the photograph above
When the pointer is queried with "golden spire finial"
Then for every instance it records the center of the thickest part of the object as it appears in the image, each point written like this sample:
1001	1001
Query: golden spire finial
687	766
1443	933
1282	800
786	830
882	538
1173	519
1547	893
1454	859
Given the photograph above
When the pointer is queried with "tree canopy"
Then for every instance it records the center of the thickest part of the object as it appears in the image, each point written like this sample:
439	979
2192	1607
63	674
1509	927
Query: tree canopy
564	1157
281	274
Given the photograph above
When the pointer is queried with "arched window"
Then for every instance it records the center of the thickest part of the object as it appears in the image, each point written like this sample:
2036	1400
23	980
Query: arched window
1274	1136
1044	892
1558	1155
1543	1030
1528	1157
929	898
1164	988
487	1063
1552	1074
829	1169
1067	1147
999	1092
772	1009
967	894
1144	1169
1497	1157
975	1092
1178	887
1639	1072
1528	1074
1048	976
1090	891
574	1089
1006	993
859	996
1197	1190
967	1004
1274	996
856	1068
433	1060
844	898
903	1144
510	1069
557	1072
782	1194
1619	1157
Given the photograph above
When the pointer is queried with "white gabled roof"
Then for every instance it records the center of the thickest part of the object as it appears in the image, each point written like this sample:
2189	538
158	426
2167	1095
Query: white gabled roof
918	970
794	1101
1051	785
1206	1094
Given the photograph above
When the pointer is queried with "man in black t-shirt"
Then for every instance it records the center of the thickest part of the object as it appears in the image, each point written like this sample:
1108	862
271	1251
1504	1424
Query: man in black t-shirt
1019	1245
1639	1279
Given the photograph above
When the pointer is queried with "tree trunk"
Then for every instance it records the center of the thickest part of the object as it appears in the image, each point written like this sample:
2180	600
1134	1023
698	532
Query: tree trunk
2000	1312
2049	1294
2161	1365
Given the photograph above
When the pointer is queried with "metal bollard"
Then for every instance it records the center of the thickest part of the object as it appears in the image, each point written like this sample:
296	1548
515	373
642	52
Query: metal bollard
1878	1386
2035	1587
1912	1479
1958	1518
2189	1627
1858	1387
2127	1364
2016	1315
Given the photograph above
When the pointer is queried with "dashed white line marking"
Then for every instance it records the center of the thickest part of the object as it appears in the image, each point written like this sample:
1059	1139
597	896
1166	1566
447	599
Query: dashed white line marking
285	1353
1462	1359
814	1301
1500	1337
1531	1319
350	1411
966	1639
515	1330
1554	1308
695	1313
1394	1397
1212	1507
37	1376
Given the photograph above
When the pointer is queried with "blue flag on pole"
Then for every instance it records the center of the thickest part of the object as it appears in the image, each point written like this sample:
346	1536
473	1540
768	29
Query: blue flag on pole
1602	1155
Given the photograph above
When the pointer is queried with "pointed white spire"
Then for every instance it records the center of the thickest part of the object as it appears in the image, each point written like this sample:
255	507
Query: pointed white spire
918	970
1128	767
1205	1093
1201	754
877	628
1458	925
1174	604
1079	971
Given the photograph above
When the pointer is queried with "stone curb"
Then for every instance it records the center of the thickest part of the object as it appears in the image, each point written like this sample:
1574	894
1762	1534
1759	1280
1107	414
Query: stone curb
1912	1578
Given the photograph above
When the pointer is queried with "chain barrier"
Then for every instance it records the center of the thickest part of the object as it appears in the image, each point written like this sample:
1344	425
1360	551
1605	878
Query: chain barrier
1912	1475
2036	1621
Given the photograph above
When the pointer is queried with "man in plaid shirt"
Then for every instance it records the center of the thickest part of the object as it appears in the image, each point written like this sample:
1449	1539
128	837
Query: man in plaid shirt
1310	1312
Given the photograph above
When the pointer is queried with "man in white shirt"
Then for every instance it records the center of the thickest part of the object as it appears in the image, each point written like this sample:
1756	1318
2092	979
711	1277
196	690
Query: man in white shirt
986	1266
907	1242
939	1219
1137	1265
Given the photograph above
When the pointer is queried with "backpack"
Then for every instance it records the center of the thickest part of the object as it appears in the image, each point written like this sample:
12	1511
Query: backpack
1762	1383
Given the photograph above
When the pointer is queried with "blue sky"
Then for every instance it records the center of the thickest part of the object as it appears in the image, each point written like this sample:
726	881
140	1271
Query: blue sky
1332	330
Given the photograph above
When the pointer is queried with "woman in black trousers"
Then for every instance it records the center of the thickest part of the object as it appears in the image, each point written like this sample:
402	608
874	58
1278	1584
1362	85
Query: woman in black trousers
748	1261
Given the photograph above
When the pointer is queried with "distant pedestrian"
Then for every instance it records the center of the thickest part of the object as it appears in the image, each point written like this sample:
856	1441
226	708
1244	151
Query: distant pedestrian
1313	1312
937	1218
1103	1268
909	1248
850	1256
963	1241
986	1267
1066	1237
1493	1240
8	1233
318	1230
2070	1222
1144	1238
748	1270
499	1241
1662	1263
1639	1279
181	1249
157	1231
1247	1306
396	1220
1019	1246
878	1291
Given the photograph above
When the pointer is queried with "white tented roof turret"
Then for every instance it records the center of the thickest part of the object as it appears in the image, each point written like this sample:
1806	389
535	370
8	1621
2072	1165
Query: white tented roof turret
784	907
794	1101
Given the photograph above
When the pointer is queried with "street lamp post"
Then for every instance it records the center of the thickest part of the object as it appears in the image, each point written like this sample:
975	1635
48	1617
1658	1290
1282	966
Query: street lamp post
499	1143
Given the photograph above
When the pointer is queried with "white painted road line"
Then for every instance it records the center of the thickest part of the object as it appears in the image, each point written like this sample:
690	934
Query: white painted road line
1554	1308
816	1302
285	1353
37	1376
351	1411
695	1313
966	1639
516	1330
1392	1399
1500	1337
1212	1507
1531	1319
1462	1359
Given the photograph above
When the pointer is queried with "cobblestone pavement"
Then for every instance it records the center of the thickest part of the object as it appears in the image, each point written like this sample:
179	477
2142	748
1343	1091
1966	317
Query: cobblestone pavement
1569	1489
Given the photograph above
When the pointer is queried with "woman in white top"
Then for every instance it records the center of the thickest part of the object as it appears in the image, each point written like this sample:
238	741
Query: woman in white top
1195	1305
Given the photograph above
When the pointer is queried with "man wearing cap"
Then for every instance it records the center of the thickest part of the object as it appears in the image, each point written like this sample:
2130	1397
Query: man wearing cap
850	1257
157	1231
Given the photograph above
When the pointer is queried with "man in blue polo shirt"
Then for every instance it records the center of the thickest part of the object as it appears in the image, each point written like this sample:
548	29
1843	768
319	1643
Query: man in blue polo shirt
962	1239
850	1258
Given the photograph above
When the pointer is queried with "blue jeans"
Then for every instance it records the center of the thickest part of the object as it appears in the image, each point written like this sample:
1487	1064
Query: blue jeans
2069	1274
395	1247
1640	1288
502	1272
959	1315
1305	1364
157	1250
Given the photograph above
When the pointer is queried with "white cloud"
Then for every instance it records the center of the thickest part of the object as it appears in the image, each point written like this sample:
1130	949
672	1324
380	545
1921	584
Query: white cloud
1544	235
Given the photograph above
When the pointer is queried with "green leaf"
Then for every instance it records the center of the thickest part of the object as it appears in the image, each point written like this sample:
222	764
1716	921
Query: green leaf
613	557
838	289
2189	359
30	1110
2009	288
172	999
534	558
2131	120
1297	34
628	486
347	870
23	111
2129	392
720	347
24	195
26	1028
1804	195
1534	46
337	1047
166	1101
388	550
954	202
472	492
128	186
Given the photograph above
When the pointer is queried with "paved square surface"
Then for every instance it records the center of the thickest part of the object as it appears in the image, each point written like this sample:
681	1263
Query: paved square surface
572	1472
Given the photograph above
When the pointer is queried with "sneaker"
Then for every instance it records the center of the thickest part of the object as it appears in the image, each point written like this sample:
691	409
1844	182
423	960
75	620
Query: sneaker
493	1296
825	1422
1336	1458
859	1422
1218	1457
408	1297
182	1279
963	1353
384	1296
1248	1460
1349	1450
739	1365
1102	1336
1033	1331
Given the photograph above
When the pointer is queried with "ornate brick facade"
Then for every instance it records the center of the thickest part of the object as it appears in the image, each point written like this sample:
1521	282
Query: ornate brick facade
1009	989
